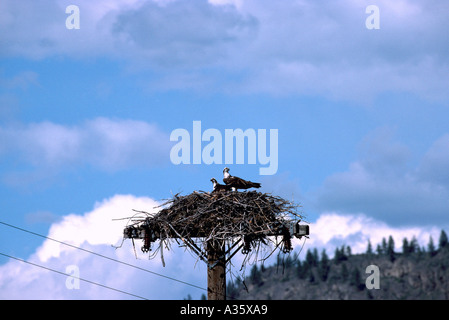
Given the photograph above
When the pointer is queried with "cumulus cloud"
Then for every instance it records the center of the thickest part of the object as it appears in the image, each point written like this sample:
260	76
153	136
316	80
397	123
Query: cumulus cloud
97	231
108	144
293	47
163	32
94	228
183	34
332	230
37	30
383	184
324	48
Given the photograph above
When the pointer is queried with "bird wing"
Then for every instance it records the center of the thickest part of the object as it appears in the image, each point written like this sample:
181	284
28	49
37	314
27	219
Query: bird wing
235	182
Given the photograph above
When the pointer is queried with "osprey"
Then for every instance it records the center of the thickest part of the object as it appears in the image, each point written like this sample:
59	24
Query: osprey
219	187
236	182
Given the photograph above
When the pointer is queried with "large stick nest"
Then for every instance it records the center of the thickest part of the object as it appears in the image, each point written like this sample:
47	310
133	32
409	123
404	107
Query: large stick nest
222	215
225	216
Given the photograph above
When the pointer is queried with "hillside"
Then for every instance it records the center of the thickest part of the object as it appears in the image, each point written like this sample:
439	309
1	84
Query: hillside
413	273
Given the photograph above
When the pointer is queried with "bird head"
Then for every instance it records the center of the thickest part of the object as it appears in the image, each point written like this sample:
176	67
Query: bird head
213	180
226	169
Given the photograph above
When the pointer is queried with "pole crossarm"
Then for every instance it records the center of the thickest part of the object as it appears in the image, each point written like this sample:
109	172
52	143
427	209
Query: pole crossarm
295	229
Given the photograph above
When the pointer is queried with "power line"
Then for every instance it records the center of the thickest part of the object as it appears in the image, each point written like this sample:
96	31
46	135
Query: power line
69	275
102	256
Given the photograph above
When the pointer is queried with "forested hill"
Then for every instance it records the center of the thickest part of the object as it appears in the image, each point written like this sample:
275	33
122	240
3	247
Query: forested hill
409	272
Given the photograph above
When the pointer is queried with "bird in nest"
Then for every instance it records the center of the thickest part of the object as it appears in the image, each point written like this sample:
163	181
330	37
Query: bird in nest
237	183
219	187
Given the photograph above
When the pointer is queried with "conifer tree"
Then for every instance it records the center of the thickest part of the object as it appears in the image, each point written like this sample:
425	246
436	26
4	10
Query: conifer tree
369	249
431	247
384	245
316	258
310	259
348	251
337	255
390	249
443	241
413	245
340	255
379	250
405	247
324	266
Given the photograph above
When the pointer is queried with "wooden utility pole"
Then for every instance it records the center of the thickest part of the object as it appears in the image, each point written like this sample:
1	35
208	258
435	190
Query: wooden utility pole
216	271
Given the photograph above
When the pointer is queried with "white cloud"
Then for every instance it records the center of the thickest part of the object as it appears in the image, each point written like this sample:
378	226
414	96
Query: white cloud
312	47
161	32
293	47
182	34
96	231
94	228
108	144
332	230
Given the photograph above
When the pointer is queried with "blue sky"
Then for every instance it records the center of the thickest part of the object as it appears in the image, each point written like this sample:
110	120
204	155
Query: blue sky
86	115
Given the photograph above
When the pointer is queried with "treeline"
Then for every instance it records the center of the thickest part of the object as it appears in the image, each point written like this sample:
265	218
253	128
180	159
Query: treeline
387	247
317	267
